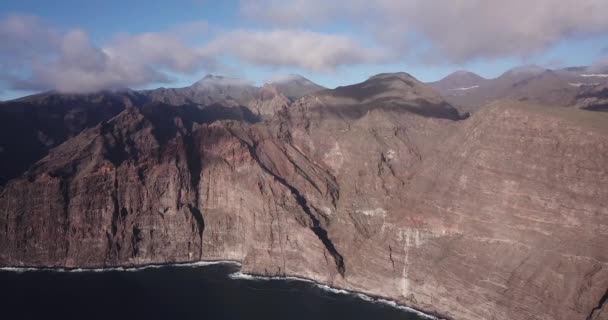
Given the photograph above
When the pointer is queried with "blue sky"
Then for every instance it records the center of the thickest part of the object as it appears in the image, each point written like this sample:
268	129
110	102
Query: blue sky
88	45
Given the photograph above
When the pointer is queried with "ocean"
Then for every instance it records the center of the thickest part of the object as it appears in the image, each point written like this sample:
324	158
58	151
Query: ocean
198	291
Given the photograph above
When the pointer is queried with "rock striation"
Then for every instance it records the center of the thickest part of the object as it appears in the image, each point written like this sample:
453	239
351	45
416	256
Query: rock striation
381	187
268	102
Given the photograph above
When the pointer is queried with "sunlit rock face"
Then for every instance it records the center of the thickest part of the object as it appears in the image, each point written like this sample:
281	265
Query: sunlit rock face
381	187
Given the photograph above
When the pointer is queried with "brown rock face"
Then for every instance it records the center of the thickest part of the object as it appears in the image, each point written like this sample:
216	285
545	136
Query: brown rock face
295	86
268	102
391	192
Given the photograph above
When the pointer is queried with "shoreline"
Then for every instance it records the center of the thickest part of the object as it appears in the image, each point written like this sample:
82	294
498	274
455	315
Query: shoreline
361	295
128	268
238	275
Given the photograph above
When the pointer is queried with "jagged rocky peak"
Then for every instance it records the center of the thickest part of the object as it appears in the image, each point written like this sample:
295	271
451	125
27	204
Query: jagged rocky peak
295	86
268	101
268	91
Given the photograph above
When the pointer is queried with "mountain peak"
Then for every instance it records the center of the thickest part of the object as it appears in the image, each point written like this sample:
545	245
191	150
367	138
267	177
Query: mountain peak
393	75
525	70
398	86
463	74
294	86
222	81
284	78
458	80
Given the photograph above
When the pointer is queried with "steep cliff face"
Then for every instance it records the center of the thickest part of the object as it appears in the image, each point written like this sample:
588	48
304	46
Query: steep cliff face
505	211
144	187
380	187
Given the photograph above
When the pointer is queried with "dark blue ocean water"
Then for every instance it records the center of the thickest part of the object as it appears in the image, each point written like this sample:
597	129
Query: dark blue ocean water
177	292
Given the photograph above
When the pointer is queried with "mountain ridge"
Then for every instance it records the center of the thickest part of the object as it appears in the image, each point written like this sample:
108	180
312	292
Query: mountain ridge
559	87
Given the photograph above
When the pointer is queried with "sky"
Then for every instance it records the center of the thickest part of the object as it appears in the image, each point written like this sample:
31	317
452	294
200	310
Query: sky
83	46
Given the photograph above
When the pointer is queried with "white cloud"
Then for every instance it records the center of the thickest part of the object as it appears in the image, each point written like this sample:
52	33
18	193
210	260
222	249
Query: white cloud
35	55
294	48
21	34
38	57
156	49
457	30
289	13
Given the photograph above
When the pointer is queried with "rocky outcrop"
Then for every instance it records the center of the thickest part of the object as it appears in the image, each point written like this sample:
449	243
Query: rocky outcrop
380	187
268	102
294	86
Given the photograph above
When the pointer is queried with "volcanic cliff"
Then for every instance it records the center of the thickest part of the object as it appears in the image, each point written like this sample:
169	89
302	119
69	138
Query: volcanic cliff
380	187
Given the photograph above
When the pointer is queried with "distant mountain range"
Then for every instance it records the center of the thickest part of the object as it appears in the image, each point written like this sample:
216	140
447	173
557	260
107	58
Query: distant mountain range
213	88
561	87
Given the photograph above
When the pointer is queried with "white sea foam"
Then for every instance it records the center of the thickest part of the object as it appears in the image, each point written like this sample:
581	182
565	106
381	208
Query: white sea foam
465	88
595	75
243	276
332	290
579	84
120	269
